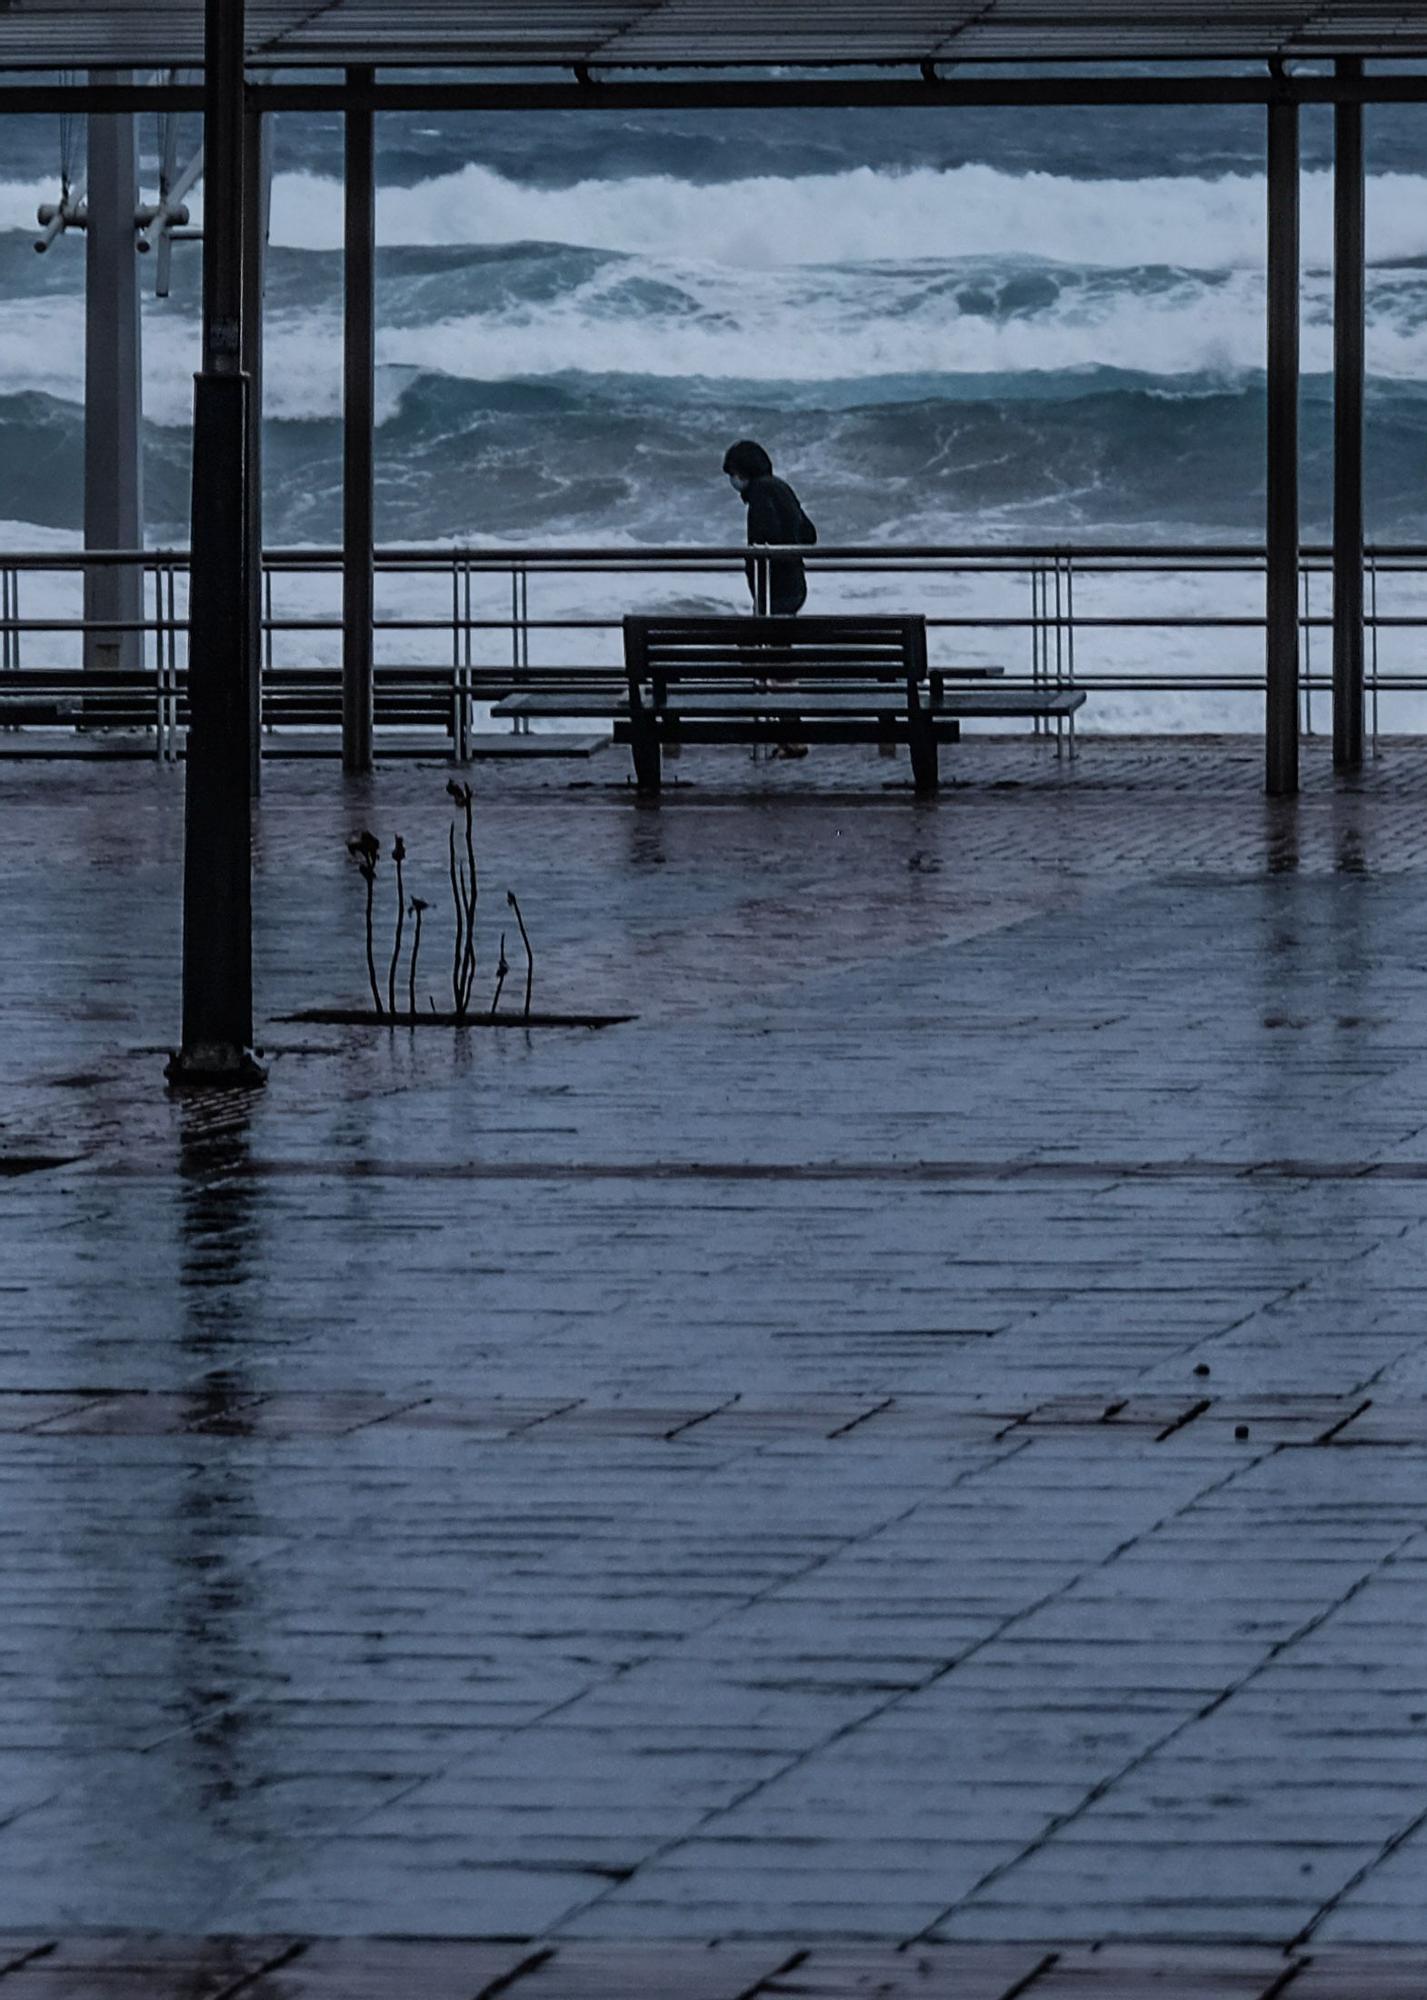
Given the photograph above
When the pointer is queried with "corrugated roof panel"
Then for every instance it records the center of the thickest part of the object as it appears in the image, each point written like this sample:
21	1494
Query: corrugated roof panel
461	30
150	34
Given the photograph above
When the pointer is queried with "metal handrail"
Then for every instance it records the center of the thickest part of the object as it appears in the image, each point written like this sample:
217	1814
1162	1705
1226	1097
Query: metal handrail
1052	620
1164	555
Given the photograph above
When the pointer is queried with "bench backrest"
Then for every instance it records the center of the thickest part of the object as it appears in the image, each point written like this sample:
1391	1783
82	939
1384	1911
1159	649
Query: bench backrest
660	650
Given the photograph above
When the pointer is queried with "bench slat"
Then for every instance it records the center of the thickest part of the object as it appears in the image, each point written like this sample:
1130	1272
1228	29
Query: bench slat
783	701
699	729
820	624
1011	701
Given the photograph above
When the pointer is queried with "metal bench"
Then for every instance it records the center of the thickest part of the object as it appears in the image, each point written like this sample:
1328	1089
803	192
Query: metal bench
58	698
772	680
431	700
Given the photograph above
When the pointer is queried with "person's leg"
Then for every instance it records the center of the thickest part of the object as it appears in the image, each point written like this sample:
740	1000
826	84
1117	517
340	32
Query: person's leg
788	601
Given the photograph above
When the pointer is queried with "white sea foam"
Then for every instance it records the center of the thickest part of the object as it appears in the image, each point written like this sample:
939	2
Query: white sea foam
823	278
761	224
855	329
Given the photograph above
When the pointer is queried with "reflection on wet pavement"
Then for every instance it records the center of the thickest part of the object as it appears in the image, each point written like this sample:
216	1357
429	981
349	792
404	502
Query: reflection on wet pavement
917	1441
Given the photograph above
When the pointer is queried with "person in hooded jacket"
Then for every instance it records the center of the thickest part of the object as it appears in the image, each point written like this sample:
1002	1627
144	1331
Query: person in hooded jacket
775	515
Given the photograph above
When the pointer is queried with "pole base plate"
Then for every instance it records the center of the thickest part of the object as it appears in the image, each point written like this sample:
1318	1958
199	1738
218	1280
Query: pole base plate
215	1065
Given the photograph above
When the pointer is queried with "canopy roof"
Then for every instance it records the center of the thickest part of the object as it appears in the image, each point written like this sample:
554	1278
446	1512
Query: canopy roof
160	34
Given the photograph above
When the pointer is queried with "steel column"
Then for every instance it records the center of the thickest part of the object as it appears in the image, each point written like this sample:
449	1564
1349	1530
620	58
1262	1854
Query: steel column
217	861
1281	707
358	421
113	443
256	192
1349	335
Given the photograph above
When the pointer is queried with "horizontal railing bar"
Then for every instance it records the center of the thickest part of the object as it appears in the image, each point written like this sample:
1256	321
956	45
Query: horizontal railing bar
298	682
966	622
1151	556
408	692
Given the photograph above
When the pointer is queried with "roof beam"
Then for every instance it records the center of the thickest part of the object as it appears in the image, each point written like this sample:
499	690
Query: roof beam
736	94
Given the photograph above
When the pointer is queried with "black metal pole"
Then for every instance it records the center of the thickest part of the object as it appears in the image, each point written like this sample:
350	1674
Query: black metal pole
217	856
255	246
358	420
1349	331
1281	707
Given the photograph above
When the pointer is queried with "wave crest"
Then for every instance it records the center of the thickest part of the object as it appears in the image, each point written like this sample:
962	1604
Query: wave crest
867	214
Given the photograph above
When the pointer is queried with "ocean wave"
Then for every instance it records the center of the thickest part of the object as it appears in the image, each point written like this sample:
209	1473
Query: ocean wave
544	459
924	277
866	213
839	335
766	222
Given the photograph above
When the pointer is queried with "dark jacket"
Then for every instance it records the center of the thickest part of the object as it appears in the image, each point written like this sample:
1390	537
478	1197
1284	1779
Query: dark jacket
775	515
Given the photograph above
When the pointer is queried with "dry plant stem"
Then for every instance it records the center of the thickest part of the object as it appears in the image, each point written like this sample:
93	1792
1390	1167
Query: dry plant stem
458	955
501	970
468	959
529	954
473	892
416	909
398	855
371	947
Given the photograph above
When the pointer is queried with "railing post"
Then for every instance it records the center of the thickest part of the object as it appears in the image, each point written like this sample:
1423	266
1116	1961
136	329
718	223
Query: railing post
1373	628
1349	326
217	855
1281	593
456	697
173	661
467	659
1070	642
358	420
160	693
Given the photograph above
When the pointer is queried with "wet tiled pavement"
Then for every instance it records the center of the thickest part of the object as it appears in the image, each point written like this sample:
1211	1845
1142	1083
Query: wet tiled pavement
903	1470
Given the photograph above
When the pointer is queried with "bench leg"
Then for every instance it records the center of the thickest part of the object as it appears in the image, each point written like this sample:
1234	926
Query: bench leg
644	746
921	742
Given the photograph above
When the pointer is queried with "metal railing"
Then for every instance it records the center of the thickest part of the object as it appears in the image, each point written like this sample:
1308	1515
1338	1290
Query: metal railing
465	615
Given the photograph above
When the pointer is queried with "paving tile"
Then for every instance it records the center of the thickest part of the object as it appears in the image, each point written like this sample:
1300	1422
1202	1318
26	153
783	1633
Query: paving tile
725	1971
15	1949
1379	1973
25	1410
390	1969
139	1967
1161	1972
920	1972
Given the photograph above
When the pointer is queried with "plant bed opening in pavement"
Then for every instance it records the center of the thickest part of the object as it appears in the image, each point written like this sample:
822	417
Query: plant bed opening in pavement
365	1017
463	879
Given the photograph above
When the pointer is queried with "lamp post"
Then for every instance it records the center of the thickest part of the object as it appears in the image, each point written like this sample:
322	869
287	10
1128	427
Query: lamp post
217	855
